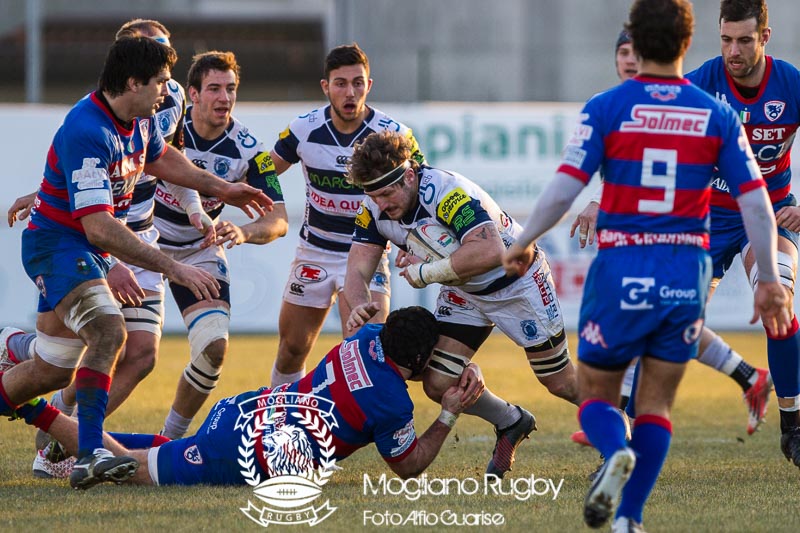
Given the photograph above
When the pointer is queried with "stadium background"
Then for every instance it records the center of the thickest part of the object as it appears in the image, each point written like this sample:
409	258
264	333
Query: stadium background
490	89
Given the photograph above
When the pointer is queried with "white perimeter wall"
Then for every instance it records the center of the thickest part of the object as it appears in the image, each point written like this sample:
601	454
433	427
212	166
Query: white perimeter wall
509	149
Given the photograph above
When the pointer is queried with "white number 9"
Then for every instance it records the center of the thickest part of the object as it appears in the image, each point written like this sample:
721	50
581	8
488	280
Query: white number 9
664	181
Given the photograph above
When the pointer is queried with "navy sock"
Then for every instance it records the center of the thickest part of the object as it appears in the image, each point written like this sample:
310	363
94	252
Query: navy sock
138	441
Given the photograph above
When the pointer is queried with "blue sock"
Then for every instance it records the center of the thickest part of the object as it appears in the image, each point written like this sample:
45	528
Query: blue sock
630	409
651	438
6	405
784	362
91	389
603	425
136	441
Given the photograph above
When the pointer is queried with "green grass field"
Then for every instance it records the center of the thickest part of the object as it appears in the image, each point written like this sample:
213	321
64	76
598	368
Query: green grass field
716	477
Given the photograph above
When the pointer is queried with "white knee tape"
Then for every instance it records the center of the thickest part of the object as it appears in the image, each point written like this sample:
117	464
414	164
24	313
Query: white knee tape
205	326
785	269
58	351
551	364
149	317
450	364
94	302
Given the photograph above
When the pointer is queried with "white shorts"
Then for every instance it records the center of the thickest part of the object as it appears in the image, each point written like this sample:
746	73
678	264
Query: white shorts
147	279
317	276
527	311
212	259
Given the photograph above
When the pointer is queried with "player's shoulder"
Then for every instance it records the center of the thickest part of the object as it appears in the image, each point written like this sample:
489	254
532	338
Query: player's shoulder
302	125
377	120
784	68
245	140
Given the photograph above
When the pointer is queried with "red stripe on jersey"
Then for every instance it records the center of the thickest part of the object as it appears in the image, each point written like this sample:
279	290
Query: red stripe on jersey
768	171
629	146
48	189
63	218
52	160
576	173
343	449
343	398
99	208
625	199
726	201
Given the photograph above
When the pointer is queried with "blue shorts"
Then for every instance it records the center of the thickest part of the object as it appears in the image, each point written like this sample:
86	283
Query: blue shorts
57	262
641	301
728	237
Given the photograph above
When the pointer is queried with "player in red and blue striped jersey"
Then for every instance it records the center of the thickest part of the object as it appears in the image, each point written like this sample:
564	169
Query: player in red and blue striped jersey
658	139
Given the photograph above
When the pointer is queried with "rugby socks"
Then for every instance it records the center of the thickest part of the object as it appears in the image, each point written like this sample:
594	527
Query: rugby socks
652	435
20	346
495	410
92	395
790	416
784	362
279	378
720	356
139	441
58	402
6	405
38	413
603	424
175	425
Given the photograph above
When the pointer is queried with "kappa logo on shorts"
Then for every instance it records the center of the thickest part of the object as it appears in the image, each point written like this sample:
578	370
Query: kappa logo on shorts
192	455
636	290
591	333
294	476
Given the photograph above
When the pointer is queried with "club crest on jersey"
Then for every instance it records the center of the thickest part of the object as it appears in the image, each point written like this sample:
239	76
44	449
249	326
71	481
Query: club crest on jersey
663	93
221	166
163	123
144	129
774	109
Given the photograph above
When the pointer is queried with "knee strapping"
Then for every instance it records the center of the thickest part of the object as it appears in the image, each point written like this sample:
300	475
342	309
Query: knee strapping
785	269
450	364
545	363
205	326
94	302
58	351
148	317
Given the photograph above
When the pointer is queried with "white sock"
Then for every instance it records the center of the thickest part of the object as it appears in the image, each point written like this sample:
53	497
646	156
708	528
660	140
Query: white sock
720	356
175	426
495	410
279	378
57	401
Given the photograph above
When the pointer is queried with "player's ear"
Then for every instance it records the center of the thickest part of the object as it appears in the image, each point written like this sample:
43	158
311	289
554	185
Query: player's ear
369	85
324	84
193	95
766	33
132	84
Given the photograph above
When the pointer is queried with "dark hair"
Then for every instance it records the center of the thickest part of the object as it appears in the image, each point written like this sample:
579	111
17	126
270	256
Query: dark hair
139	58
661	29
408	337
377	154
343	56
208	61
623	38
739	10
137	27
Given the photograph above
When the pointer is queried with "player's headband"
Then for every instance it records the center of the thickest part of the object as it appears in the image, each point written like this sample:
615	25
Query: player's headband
162	40
390	178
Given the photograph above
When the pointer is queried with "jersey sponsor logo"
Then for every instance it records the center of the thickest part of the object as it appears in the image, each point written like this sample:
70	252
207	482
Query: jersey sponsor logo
285	133
127	166
89	176
264	163
389	124
592	334
635	292
451	203
673	120
298	289
192	455
342	207
404	438
363	217
670	296
774	109
375	351
353	367
444	310
663	92
310	273
200	163
329	182
769	133
544	286
341	160
84	199
574	156
245	139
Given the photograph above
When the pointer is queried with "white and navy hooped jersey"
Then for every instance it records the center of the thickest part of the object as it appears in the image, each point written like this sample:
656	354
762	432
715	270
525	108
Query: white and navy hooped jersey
658	141
770	119
169	120
331	202
450	200
234	156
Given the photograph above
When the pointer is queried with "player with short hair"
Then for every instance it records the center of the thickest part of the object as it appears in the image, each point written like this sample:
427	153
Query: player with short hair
106	141
322	142
404	202
359	395
658	139
216	140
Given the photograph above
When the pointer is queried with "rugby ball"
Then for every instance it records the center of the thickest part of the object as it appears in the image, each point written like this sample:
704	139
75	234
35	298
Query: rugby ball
431	242
287	492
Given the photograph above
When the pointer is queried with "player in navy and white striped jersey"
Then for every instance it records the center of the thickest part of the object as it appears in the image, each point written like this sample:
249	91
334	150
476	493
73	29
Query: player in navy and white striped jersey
658	140
216	141
322	141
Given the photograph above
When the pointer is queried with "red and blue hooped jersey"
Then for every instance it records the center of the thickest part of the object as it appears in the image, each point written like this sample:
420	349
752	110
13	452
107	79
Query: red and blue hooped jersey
658	141
770	119
93	165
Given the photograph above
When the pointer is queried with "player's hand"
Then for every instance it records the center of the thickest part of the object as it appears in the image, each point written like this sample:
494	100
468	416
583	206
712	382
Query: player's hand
788	217
405	259
203	223
21	208
471	384
361	314
586	222
247	198
517	260
451	400
229	232
202	284
413	275
124	286
772	303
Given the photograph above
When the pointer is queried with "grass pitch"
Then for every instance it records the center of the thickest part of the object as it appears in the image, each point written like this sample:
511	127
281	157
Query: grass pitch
716	477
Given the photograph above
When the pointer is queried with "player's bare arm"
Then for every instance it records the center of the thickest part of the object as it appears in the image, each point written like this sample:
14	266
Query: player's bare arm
481	250
105	232
265	229
174	167
362	261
